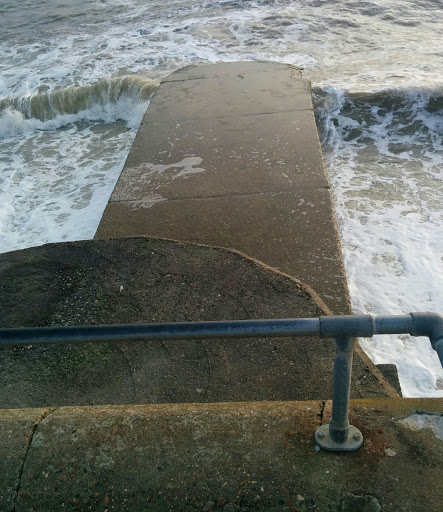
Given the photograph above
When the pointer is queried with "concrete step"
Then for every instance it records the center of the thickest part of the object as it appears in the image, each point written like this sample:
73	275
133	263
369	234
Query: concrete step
221	457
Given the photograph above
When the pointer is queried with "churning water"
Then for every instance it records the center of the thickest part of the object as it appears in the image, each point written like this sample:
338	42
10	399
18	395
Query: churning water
76	77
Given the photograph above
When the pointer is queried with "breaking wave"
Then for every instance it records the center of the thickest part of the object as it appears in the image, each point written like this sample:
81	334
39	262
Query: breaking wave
107	100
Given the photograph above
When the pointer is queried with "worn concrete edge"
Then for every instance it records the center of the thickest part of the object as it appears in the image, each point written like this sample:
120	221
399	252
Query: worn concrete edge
305	287
174	75
398	408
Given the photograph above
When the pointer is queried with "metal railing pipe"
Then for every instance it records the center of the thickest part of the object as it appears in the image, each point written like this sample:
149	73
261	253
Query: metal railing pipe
339	435
184	330
396	324
430	325
346	325
342	387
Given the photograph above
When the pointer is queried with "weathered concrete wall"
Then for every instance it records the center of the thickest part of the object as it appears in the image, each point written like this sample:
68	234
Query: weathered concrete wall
229	155
140	280
227	457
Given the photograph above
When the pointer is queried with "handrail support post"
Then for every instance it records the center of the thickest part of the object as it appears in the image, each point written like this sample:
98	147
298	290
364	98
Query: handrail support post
339	435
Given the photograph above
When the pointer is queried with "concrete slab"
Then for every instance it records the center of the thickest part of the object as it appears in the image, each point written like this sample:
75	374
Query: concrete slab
224	69
232	457
140	280
257	89
244	155
238	134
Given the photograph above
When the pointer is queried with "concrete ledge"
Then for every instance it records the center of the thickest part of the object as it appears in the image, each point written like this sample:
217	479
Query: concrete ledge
144	280
266	224
230	457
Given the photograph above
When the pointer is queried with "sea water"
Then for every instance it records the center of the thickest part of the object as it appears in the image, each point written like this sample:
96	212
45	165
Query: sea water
77	76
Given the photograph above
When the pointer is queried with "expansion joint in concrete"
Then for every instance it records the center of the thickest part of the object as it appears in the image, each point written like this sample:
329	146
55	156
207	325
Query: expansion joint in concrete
131	371
279	112
165	80
215	196
322	411
46	413
239	115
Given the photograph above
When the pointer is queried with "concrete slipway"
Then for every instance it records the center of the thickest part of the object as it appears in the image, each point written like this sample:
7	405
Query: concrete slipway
227	155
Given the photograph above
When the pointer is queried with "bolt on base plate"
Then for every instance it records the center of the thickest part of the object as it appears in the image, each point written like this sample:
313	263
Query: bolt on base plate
352	443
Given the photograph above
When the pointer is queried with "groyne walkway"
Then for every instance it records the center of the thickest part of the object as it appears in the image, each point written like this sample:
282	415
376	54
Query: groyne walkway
228	155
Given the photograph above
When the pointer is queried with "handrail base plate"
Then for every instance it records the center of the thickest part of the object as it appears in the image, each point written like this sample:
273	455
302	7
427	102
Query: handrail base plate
352	443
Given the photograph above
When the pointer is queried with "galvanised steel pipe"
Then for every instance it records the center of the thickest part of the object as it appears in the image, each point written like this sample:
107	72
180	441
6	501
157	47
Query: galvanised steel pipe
396	324
416	324
145	332
339	435
342	388
430	325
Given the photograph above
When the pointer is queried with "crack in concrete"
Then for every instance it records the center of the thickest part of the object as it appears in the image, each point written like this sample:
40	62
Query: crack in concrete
232	115
218	196
131	371
322	412
205	348
163	344
280	112
240	304
31	437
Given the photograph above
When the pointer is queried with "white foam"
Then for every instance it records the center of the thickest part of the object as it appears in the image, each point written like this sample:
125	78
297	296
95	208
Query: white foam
58	183
389	211
356	48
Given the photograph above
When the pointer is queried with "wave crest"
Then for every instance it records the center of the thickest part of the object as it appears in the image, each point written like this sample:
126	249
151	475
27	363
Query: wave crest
106	100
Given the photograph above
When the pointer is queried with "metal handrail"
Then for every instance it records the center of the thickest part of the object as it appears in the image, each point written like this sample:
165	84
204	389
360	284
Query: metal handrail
339	435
